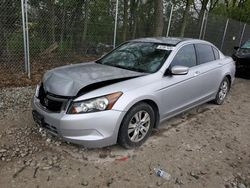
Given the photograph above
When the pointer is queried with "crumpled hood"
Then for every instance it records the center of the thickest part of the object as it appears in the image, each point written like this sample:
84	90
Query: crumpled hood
69	80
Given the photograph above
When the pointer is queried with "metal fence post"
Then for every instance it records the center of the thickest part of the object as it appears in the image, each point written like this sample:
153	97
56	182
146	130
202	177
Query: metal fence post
27	38
242	34
205	25
24	36
24	6
170	19
224	35
202	25
116	17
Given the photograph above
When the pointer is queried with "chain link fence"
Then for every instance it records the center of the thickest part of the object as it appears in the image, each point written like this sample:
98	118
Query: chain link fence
11	40
69	31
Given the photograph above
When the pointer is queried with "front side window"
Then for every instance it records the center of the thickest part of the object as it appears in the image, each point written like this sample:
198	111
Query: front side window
185	57
138	56
204	53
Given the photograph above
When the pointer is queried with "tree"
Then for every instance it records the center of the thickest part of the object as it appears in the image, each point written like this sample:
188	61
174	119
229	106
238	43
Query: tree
125	20
86	20
204	4
158	17
185	17
134	4
238	10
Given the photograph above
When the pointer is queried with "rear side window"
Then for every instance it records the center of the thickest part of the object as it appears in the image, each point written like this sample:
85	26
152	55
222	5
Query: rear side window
216	53
185	57
204	53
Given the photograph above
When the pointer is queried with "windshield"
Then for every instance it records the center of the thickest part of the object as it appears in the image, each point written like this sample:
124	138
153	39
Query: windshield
246	44
138	56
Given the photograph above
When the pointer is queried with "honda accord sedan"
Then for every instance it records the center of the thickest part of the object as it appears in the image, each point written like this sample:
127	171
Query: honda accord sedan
122	96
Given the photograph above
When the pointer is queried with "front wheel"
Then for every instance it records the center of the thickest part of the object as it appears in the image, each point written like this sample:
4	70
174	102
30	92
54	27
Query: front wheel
223	91
136	126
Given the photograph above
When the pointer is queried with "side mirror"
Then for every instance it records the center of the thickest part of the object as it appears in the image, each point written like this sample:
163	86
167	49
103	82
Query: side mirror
236	47
179	70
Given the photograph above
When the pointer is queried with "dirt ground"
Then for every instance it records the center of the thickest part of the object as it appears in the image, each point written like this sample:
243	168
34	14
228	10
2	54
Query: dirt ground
208	146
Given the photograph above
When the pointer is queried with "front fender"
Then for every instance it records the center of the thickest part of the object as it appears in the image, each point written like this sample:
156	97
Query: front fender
128	100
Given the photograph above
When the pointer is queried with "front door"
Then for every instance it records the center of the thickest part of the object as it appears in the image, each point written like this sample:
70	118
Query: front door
181	91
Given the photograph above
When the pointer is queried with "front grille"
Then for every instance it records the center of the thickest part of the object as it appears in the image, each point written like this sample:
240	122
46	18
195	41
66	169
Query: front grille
50	102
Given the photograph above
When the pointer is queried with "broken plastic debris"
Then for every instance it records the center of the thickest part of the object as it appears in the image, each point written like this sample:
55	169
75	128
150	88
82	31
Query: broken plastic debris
123	158
161	173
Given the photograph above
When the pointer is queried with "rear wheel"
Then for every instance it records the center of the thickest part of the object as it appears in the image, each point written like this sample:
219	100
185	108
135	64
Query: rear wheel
223	91
136	126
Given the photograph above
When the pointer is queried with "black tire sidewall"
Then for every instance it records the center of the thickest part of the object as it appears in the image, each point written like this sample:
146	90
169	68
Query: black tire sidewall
123	138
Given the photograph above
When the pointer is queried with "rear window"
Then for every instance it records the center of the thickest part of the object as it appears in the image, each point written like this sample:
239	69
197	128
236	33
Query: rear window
204	53
216	53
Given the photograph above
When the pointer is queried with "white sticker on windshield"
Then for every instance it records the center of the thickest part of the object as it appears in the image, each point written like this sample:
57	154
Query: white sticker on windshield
162	47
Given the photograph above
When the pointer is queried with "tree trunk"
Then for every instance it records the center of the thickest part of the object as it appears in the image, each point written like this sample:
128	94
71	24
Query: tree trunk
76	36
62	26
158	17
202	11
53	21
134	27
125	20
185	18
86	20
133	17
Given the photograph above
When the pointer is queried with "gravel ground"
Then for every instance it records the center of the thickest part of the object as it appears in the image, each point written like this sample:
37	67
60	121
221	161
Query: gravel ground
208	146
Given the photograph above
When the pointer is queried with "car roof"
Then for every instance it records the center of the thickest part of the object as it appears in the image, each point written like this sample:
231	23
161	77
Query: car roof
162	40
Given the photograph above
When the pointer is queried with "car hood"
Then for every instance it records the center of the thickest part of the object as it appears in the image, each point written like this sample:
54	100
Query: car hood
69	80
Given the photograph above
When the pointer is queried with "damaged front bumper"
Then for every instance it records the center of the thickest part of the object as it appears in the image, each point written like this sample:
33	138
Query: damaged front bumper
97	129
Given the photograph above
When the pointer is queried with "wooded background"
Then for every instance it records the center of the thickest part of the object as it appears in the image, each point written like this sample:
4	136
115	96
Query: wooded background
66	29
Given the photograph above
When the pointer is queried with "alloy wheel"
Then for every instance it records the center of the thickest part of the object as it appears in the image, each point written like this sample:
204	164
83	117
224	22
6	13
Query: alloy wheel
223	90
139	126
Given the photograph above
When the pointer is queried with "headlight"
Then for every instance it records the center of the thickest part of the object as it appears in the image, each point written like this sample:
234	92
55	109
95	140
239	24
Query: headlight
37	90
94	105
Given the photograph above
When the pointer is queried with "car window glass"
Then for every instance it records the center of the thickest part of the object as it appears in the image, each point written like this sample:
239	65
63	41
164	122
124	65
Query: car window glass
216	53
246	44
138	56
185	57
204	53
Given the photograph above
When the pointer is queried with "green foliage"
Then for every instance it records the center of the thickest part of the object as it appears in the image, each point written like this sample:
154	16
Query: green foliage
239	11
77	24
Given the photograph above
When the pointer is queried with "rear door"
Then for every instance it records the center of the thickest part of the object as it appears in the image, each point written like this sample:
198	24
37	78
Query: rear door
209	69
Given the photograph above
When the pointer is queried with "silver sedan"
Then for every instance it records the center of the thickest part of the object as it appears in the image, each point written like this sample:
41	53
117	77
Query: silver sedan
122	96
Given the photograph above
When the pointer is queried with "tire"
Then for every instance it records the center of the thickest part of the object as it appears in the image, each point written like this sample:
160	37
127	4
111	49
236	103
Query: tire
136	126
222	92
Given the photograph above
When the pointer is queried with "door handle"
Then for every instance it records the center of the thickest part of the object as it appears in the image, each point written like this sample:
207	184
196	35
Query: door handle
196	73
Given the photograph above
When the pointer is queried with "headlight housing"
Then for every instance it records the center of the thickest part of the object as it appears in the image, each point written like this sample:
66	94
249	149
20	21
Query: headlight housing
37	90
94	105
